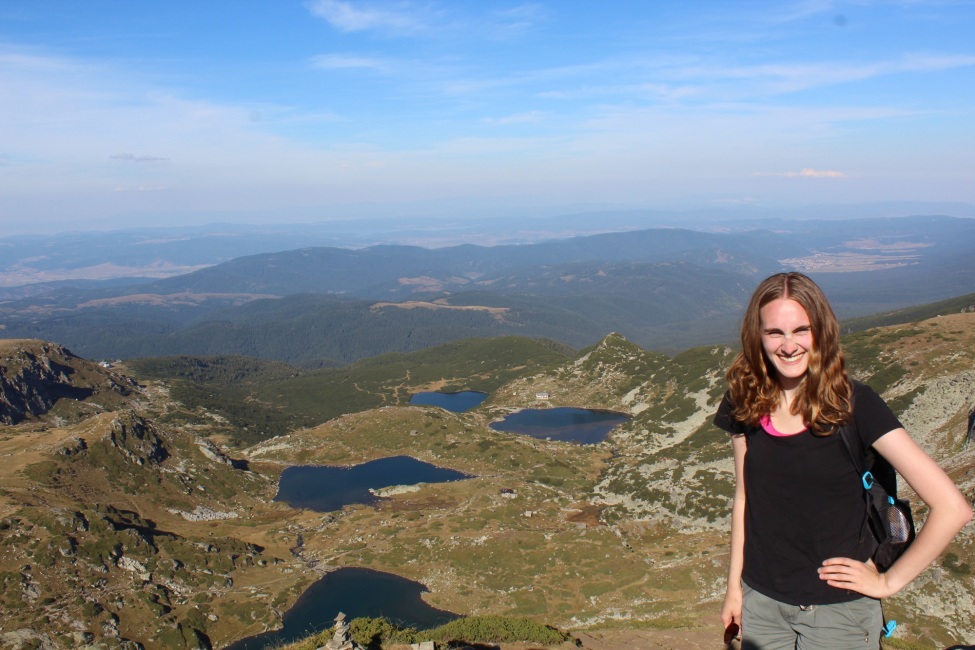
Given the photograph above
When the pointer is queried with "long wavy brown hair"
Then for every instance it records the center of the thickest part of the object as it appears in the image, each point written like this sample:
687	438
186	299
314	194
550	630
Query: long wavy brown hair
824	395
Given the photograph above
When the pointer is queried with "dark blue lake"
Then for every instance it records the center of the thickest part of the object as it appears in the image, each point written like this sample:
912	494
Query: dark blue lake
325	488
457	402
582	426
357	593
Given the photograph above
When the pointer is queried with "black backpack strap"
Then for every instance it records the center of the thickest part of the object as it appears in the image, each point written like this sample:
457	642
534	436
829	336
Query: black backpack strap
854	447
864	458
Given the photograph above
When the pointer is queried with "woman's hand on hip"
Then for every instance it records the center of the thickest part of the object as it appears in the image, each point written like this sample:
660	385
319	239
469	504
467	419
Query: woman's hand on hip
861	577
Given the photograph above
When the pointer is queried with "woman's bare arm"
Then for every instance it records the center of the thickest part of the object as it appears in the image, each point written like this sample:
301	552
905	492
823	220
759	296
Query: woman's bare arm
731	611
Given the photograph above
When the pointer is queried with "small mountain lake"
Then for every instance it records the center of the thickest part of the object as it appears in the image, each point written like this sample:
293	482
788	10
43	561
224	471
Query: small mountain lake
582	426
457	402
356	592
324	488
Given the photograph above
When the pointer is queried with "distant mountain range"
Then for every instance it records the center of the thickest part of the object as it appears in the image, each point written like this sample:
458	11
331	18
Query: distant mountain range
44	261
663	288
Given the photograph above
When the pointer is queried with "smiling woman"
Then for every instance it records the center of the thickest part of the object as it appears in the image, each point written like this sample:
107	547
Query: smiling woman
802	568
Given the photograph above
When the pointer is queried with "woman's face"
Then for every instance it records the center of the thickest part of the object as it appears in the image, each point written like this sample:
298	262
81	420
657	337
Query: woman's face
787	339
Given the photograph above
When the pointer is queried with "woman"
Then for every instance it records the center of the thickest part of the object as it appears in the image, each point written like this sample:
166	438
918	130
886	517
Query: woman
801	575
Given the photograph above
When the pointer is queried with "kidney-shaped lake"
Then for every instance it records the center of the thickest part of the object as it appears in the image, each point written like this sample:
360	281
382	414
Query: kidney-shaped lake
325	488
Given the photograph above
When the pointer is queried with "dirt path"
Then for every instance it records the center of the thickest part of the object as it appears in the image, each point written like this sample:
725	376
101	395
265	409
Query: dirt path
677	639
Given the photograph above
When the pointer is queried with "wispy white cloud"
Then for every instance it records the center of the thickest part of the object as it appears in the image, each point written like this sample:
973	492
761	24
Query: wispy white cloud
530	117
686	80
130	157
533	78
805	173
79	124
521	18
408	18
920	62
743	200
349	61
794	11
140	188
792	77
646	91
477	146
347	17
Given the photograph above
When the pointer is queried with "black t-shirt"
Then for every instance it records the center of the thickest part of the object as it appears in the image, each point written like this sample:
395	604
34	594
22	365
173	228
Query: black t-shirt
804	503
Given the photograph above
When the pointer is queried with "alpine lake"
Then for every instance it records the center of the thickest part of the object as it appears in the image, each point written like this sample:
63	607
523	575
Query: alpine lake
359	592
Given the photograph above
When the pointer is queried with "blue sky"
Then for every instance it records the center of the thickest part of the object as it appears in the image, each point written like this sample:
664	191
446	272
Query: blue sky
122	112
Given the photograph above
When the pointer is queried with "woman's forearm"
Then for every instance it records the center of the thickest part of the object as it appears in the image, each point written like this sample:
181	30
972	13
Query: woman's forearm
738	516
737	542
942	524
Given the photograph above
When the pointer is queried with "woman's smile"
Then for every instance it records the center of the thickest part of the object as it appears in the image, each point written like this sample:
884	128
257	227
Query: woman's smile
786	339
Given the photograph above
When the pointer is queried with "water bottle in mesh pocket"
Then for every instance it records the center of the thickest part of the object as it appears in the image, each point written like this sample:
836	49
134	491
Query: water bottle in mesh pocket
899	521
894	531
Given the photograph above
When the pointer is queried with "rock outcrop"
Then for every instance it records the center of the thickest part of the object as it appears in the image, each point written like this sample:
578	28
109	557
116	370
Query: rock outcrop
34	375
137	439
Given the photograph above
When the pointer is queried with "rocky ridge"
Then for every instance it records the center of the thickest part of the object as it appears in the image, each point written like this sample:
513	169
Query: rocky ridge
35	375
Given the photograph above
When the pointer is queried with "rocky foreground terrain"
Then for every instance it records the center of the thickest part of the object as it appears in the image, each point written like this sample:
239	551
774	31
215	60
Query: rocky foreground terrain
127	522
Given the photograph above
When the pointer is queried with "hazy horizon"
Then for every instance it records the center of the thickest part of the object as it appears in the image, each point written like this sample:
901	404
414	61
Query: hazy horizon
514	223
